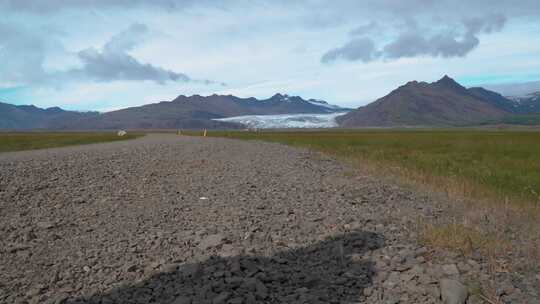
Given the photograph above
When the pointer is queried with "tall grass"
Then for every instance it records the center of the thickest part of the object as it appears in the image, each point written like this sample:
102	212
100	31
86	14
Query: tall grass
477	164
492	178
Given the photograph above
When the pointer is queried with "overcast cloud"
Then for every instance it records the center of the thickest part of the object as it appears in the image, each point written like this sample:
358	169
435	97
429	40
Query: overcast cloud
22	54
54	6
114	62
348	52
415	40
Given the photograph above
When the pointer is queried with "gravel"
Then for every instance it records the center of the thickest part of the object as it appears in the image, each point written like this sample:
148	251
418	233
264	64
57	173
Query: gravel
126	222
453	292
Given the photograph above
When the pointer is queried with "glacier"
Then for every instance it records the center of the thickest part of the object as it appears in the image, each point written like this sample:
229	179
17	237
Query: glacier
283	121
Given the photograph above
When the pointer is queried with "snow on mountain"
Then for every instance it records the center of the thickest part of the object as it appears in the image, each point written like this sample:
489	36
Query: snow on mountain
316	102
323	103
283	121
535	96
284	98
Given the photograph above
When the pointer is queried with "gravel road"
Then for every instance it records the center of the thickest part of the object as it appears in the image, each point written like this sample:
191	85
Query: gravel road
173	219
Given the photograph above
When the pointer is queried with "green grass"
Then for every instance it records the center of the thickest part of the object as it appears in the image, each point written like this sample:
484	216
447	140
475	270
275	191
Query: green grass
38	140
478	164
525	120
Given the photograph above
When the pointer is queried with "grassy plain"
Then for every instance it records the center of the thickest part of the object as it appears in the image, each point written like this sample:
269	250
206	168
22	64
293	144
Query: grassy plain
501	165
492	180
41	140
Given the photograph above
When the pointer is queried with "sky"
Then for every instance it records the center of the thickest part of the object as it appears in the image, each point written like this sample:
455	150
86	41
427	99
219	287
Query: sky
109	54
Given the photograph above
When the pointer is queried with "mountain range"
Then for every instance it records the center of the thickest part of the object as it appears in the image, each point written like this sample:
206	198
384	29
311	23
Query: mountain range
441	103
184	112
31	117
529	103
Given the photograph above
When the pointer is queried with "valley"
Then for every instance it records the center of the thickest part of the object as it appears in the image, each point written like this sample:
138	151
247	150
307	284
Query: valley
273	152
161	218
444	103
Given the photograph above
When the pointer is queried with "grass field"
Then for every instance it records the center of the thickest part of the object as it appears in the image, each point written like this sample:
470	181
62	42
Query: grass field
502	165
516	120
37	140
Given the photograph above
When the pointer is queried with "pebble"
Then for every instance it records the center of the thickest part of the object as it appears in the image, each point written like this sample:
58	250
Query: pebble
182	300
453	292
450	269
279	228
211	241
221	298
45	225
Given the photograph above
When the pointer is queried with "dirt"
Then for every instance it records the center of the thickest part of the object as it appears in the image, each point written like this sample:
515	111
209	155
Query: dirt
174	219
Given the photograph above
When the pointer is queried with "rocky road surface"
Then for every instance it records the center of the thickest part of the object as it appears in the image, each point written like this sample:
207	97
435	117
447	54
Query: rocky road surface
172	219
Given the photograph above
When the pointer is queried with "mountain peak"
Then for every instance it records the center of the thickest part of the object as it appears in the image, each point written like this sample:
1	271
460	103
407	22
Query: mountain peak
446	77
284	97
54	110
444	102
412	83
447	80
279	96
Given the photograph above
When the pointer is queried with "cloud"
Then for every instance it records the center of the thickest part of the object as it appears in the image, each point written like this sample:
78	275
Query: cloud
24	53
362	49
415	41
440	45
365	29
114	62
127	39
345	8
488	24
53	6
112	66
445	44
514	89
59	44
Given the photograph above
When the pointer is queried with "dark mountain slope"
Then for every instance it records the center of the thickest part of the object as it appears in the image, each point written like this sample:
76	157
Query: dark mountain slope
494	99
31	117
528	104
193	112
441	103
198	111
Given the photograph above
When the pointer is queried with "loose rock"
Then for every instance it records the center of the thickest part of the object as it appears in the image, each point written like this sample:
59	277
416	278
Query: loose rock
453	292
